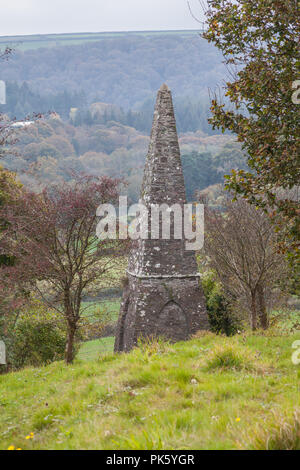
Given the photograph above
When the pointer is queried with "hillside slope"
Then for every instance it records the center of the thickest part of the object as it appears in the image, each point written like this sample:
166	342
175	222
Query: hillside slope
208	393
36	41
125	71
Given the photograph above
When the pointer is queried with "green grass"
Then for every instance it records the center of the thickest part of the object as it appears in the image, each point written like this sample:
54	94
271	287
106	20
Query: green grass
92	350
208	393
110	308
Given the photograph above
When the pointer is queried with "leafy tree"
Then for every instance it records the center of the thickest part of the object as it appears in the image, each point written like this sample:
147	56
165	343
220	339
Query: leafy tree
261	41
59	255
35	343
9	189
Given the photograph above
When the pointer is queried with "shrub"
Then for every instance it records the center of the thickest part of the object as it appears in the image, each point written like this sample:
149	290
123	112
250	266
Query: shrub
36	343
222	317
37	336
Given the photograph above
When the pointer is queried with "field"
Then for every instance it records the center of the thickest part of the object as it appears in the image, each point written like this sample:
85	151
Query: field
24	43
109	307
92	350
211	392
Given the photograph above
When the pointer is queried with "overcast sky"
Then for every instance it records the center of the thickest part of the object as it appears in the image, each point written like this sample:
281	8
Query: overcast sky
66	16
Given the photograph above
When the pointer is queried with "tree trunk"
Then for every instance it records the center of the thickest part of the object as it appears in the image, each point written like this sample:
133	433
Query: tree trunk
263	314
253	311
69	352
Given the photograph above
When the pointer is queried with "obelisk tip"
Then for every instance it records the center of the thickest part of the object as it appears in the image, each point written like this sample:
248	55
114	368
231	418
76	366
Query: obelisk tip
164	87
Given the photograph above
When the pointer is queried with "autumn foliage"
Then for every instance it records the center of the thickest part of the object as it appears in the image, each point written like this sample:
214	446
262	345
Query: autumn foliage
52	235
259	42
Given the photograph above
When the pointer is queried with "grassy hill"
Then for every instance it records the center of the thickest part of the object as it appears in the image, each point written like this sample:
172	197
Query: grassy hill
35	41
208	393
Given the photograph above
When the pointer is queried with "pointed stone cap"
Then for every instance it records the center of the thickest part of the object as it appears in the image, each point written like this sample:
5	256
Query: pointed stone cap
164	87
163	177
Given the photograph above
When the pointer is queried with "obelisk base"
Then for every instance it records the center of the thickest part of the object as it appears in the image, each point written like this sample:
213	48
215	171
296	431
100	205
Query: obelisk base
170	308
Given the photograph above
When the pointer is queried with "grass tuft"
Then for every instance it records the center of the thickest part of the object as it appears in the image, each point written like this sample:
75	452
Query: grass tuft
153	346
231	357
146	441
282	434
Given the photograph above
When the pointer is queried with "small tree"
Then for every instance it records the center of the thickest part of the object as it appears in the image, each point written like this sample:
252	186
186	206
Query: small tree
53	236
241	246
222	317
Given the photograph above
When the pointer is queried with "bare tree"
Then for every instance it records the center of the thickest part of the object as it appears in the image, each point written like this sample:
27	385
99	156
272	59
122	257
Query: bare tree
241	247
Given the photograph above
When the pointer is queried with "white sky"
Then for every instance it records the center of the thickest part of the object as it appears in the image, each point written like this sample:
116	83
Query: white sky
66	16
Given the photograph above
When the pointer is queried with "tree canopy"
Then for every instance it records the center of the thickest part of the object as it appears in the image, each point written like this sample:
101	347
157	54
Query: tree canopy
261	50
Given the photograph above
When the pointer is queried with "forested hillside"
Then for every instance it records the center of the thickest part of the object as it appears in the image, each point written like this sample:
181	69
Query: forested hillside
52	149
125	71
97	99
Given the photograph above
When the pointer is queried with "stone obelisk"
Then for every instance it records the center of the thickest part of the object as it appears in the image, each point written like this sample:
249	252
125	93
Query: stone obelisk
162	295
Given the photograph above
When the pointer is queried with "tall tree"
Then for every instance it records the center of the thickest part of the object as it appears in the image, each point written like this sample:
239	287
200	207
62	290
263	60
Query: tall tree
9	190
260	44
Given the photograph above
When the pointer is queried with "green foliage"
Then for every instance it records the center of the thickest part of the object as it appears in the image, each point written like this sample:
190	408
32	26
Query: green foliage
152	346
131	67
263	43
146	441
22	101
35	343
199	172
9	186
33	336
223	319
191	115
203	169
58	149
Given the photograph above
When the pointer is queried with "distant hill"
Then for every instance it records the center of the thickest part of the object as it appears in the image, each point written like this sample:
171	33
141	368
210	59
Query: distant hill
35	41
57	148
124	69
104	90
